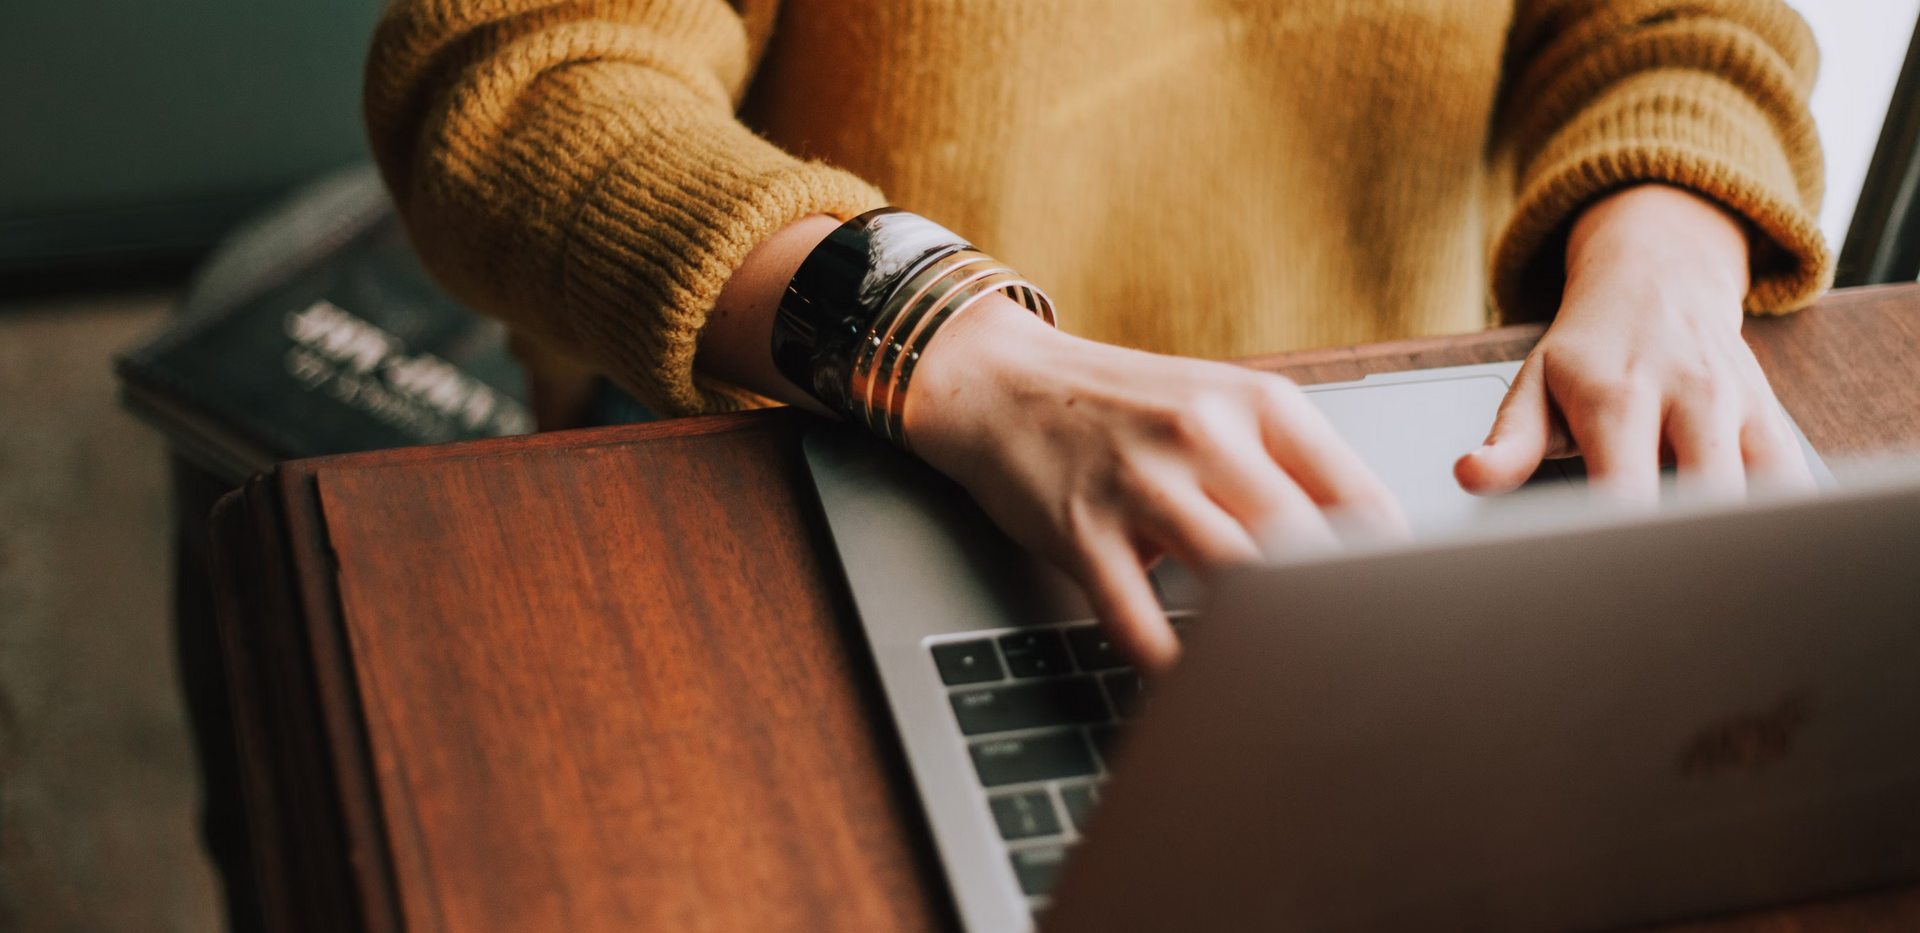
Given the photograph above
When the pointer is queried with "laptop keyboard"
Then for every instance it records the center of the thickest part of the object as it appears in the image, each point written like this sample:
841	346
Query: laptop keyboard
1041	710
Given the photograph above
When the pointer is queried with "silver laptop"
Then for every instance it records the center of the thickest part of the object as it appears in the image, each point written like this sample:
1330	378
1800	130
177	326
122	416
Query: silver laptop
1400	740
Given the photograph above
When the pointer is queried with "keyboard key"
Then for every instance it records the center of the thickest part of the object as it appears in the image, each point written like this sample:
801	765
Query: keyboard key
1040	758
1023	816
1127	690
1092	648
968	662
1066	702
1035	654
1038	868
1080	800
1105	740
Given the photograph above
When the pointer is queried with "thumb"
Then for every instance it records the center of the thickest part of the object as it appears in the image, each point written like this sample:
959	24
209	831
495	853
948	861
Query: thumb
1514	448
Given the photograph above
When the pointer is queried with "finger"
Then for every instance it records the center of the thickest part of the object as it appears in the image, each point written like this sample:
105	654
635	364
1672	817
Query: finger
1772	451
1519	440
1116	584
1176	515
1618	429
1705	438
1265	500
1298	437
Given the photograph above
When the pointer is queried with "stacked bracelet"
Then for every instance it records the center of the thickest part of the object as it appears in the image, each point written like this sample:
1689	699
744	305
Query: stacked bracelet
865	304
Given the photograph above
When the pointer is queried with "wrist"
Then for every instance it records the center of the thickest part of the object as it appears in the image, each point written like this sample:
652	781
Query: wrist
1661	246
733	345
862	310
969	361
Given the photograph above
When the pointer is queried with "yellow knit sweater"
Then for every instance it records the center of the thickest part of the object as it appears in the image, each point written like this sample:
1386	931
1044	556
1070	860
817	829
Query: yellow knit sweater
1213	178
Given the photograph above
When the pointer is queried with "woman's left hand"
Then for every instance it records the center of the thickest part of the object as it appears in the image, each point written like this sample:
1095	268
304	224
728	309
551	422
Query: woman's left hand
1644	363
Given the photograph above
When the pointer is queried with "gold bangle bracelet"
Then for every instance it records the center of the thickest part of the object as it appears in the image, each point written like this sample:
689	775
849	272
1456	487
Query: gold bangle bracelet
861	309
963	299
882	370
904	308
960	285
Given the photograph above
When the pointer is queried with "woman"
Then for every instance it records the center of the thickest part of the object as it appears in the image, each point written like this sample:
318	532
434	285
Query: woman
634	185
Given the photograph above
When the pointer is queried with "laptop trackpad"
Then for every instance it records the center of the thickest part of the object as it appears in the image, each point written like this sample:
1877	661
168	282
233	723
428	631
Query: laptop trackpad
1412	432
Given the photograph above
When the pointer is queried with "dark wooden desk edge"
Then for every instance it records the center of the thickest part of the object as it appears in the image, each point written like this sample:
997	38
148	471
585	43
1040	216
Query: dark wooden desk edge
310	795
340	877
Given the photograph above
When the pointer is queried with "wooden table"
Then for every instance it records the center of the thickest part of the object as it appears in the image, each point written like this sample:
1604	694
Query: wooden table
609	679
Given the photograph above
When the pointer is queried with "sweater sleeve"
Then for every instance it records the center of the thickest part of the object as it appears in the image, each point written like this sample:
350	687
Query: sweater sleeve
576	169
1706	95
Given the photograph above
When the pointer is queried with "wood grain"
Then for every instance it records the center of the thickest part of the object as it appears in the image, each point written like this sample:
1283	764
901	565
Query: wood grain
609	680
608	691
1344	364
1850	371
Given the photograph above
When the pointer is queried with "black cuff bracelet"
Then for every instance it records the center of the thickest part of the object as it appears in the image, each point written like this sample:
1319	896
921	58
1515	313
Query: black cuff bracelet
865	303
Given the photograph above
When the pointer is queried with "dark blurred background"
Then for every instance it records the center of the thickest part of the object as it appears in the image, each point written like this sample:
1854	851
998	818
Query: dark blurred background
139	130
135	134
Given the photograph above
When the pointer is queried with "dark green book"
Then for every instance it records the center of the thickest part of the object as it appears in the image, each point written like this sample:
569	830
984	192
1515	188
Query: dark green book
315	331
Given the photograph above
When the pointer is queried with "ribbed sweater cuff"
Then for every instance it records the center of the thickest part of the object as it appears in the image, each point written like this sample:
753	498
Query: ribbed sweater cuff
660	236
1681	128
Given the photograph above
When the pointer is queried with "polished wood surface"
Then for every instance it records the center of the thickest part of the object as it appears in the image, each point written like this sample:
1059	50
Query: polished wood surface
610	680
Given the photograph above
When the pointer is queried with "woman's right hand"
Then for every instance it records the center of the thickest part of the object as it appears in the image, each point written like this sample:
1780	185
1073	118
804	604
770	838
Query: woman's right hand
1102	459
1097	458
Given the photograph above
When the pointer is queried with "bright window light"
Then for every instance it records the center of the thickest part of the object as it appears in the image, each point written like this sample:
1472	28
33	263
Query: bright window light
1862	45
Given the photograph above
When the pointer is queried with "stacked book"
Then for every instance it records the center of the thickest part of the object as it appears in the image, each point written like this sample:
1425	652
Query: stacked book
315	331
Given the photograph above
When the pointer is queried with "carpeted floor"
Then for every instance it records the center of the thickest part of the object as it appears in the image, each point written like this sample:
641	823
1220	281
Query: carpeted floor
96	776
